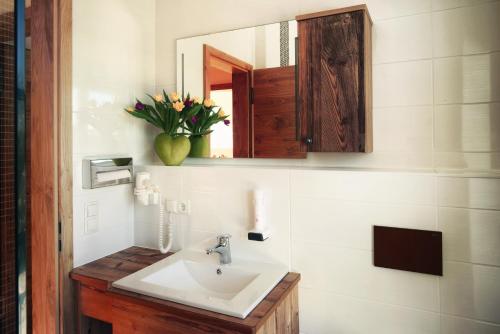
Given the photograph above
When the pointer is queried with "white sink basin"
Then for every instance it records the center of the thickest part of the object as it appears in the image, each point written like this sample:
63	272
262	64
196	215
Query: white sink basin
192	278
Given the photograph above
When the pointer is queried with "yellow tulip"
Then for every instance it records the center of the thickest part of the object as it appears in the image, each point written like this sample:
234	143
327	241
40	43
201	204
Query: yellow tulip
174	97
179	105
130	109
221	113
208	103
158	97
196	100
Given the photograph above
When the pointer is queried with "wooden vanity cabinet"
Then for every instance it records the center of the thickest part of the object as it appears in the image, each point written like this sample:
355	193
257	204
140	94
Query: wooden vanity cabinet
335	80
107	310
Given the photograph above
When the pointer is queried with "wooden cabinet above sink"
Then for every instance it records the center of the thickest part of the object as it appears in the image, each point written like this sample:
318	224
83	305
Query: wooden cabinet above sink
335	80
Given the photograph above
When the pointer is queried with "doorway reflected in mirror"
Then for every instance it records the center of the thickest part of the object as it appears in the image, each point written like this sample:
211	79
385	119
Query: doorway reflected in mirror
221	139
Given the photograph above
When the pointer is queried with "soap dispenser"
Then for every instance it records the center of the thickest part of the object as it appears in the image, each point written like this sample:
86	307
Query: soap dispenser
261	230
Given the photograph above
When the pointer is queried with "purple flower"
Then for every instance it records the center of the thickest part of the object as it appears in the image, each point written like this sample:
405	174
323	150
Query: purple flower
227	122
194	119
139	106
188	103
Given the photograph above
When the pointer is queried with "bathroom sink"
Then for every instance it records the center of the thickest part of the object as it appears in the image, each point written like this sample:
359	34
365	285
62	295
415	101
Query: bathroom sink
197	279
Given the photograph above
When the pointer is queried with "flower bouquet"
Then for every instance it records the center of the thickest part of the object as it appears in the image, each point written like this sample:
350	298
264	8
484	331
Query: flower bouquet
199	125
168	113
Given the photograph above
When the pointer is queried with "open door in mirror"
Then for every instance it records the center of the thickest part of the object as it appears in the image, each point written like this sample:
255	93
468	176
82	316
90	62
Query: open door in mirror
274	114
227	80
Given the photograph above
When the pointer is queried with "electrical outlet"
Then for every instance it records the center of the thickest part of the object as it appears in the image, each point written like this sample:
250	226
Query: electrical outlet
91	225
92	209
184	207
178	207
172	206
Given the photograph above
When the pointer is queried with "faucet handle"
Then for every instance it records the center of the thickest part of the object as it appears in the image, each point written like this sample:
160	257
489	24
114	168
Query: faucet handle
223	238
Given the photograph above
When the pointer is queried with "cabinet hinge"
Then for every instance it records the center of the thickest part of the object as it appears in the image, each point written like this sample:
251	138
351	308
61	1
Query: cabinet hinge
59	236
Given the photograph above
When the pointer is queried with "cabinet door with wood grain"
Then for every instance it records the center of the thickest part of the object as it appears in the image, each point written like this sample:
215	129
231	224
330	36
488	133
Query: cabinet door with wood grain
334	71
274	114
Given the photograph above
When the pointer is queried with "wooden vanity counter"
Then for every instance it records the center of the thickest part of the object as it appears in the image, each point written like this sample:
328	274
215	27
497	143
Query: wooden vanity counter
129	312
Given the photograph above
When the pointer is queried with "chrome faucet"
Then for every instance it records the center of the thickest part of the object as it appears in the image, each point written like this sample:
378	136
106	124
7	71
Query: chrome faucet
223	248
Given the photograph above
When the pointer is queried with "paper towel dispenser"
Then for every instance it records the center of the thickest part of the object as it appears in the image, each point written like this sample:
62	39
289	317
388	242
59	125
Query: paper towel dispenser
105	172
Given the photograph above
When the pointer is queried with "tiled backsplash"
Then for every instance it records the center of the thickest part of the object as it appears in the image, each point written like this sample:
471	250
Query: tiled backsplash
221	203
322	222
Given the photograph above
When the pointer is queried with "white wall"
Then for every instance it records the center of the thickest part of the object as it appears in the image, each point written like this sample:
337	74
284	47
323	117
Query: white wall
436	90
113	62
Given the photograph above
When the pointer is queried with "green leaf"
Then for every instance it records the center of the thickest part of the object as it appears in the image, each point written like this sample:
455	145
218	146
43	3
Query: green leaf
167	99
146	117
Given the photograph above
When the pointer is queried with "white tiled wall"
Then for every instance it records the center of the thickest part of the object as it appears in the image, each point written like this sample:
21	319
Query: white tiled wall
113	61
322	227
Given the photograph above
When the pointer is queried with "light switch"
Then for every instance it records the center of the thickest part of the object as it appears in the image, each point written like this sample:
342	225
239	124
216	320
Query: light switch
92	209
91	217
91	225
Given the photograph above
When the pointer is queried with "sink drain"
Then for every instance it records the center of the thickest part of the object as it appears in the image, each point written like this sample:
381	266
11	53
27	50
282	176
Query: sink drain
219	271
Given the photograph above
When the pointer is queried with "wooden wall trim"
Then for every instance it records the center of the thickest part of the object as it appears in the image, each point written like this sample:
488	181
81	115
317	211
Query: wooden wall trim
44	167
67	307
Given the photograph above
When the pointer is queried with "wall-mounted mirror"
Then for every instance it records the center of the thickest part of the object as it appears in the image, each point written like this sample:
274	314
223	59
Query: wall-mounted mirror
251	74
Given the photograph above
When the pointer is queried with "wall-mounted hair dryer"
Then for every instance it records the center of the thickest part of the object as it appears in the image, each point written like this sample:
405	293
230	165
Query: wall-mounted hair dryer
149	194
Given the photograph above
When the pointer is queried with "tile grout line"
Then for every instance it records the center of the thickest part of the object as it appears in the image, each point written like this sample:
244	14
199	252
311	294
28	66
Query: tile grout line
375	301
401	306
431	11
399	204
366	250
433	75
416	60
474	264
440	303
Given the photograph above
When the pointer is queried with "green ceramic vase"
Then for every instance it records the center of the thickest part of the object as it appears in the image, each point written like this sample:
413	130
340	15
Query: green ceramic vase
200	147
172	150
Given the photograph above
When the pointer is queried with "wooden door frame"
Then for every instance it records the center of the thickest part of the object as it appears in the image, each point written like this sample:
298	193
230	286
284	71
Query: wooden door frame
51	166
215	58
209	52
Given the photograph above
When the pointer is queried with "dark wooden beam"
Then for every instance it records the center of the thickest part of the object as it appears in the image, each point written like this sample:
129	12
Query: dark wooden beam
44	167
